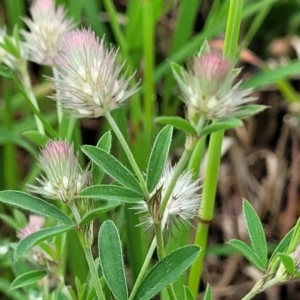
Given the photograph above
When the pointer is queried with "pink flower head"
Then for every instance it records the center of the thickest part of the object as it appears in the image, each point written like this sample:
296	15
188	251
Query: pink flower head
208	87
212	66
89	81
64	177
35	224
47	28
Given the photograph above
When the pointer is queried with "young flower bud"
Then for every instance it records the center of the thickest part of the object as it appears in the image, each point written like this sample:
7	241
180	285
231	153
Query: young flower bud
208	89
64	177
47	28
182	205
89	81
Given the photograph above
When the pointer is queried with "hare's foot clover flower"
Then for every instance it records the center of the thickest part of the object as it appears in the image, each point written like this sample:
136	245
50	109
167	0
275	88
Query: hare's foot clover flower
182	205
89	82
47	27
207	87
64	177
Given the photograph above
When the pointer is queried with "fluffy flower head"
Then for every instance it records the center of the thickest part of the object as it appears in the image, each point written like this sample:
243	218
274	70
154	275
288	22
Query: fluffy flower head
64	177
182	205
90	81
207	86
47	28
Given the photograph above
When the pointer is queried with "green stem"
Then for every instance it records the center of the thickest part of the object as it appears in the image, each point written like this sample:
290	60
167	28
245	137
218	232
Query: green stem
206	211
129	154
86	246
58	104
28	88
143	269
148	50
94	273
161	254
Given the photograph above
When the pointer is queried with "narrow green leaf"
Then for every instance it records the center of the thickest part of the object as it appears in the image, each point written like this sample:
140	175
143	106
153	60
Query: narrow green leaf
288	263
246	111
33	204
273	75
105	144
28	278
37	237
5	71
111	260
177	122
9	135
112	167
98	212
248	253
221	125
188	294
166	271
177	70
256	232
283	245
208	293
111	193
36	137
295	238
158	156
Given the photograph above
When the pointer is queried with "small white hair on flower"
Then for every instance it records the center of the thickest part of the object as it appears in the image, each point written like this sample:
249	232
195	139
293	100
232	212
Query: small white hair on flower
89	81
182	205
47	27
64	178
208	87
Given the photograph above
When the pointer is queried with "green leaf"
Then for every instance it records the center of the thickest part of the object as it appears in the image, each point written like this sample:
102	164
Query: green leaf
256	232
221	125
178	71
158	156
166	271
246	111
208	293
295	238
28	278
95	213
188	294
283	245
112	167
105	144
36	137
288	263
266	77
34	205
111	260
37	237
9	135
111	192
178	123
5	71
247	252
10	221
